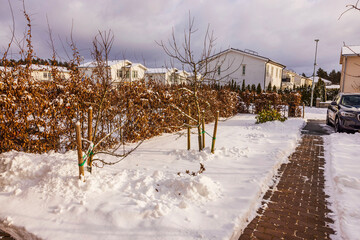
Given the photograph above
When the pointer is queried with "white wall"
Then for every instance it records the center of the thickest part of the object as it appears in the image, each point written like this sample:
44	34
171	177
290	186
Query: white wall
273	75
254	68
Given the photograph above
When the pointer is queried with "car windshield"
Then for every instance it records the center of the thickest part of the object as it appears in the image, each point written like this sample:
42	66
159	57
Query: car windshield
351	100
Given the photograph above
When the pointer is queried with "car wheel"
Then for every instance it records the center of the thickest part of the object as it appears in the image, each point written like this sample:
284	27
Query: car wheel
337	125
328	120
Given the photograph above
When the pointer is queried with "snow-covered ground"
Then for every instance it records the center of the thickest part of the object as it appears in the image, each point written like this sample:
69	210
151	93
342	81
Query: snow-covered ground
144	197
343	182
315	113
150	196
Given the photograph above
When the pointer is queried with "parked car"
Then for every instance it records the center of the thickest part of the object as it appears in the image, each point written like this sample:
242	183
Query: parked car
344	112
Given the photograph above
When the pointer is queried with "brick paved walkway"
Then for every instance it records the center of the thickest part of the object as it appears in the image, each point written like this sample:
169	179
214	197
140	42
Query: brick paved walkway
295	208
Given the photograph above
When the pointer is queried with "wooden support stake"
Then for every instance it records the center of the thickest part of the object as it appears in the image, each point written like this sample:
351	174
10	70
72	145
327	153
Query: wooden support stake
90	130
214	134
303	110
203	129
79	150
188	131
199	136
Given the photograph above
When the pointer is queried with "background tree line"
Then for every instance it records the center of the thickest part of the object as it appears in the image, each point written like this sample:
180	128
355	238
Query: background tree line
39	61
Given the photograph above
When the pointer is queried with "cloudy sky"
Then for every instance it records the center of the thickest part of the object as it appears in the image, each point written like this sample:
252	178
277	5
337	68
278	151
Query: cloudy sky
282	30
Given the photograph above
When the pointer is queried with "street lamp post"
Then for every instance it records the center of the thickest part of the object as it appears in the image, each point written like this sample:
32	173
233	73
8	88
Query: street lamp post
313	81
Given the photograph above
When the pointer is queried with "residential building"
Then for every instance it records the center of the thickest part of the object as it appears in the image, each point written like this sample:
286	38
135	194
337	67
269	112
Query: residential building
167	76
350	72
44	72
291	80
120	70
247	66
326	81
288	79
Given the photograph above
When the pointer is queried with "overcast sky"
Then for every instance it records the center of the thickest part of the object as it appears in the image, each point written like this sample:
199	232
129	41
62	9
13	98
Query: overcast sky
282	30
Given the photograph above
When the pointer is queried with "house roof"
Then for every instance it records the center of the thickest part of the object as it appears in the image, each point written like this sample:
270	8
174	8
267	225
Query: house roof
157	70
125	63
93	64
37	67
348	51
139	65
248	54
165	70
327	82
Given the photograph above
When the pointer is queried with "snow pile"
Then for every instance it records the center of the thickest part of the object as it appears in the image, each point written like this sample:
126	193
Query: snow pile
152	193
343	177
52	176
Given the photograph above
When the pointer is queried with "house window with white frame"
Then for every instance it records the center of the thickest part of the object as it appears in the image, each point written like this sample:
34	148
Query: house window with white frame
243	69
267	70
45	75
272	71
119	73
135	74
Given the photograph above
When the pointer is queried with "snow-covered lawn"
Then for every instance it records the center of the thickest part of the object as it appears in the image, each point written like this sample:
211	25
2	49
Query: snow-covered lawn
144	197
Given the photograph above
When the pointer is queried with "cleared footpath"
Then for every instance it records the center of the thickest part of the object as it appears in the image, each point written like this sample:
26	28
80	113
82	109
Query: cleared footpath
296	206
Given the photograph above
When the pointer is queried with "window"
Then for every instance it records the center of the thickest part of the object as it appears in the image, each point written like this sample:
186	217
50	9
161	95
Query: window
45	75
218	70
119	73
243	69
267	70
277	72
135	74
272	71
127	74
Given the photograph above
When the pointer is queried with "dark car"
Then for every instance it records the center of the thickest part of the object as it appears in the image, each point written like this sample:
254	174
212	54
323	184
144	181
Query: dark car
344	112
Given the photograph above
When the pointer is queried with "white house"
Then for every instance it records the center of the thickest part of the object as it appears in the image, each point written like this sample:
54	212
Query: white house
44	72
120	70
238	65
167	76
326	82
291	79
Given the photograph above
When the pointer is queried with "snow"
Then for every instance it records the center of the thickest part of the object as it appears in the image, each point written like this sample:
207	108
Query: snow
335	86
149	194
350	50
157	70
344	182
327	82
315	113
37	67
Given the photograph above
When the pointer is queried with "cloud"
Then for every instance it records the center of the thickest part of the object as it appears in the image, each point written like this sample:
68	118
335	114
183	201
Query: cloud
279	29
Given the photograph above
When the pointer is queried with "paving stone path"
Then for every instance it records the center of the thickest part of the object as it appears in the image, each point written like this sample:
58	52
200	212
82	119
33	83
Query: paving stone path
295	207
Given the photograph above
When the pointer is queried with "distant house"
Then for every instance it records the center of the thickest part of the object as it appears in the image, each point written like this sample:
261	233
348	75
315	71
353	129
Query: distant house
350	72
326	81
291	79
288	79
167	76
44	72
120	70
243	66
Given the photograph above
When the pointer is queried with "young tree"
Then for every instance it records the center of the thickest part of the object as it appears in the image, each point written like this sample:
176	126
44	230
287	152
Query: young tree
183	53
258	89
243	86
